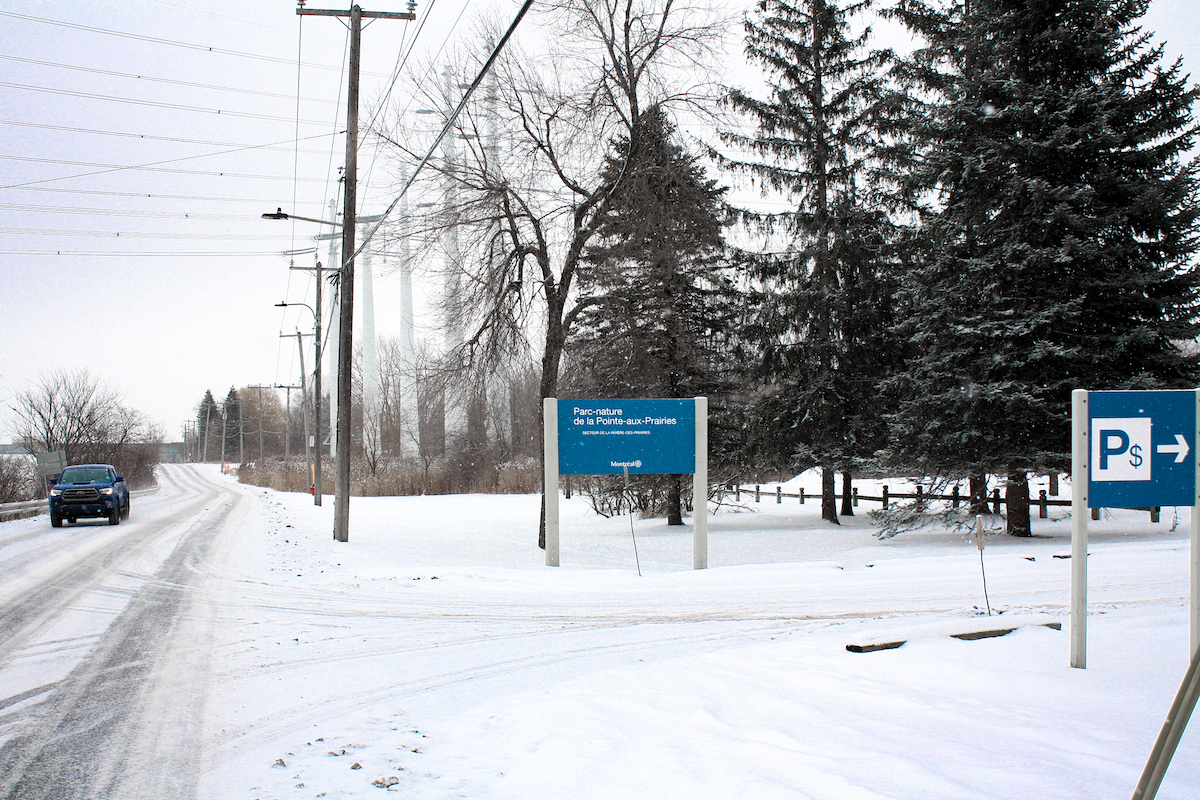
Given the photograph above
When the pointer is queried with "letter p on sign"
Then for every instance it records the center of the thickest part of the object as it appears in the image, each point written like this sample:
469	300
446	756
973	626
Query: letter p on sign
1121	449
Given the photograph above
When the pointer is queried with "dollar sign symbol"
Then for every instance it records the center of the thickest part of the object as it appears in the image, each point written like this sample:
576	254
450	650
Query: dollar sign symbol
1137	459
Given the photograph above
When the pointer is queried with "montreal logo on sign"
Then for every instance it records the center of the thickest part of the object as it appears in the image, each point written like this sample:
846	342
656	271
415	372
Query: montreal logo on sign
635	464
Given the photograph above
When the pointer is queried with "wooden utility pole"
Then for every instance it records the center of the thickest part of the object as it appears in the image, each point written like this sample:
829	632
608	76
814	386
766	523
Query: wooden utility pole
260	421
308	462
341	501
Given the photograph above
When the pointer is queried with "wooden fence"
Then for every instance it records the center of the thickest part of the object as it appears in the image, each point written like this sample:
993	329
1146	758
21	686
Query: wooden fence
995	502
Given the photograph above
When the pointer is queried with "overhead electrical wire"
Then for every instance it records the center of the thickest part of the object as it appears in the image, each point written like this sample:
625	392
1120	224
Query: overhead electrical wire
153	166
154	103
346	259
169	42
401	62
288	145
77	234
152	195
30	208
154	254
109	168
190	84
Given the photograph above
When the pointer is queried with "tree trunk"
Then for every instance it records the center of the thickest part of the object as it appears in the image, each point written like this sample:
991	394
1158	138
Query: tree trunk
828	490
674	502
1016	497
979	501
847	491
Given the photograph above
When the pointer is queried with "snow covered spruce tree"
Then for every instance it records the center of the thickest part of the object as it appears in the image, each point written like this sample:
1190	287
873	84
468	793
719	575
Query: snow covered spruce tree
231	427
208	415
1060	213
656	299
822	282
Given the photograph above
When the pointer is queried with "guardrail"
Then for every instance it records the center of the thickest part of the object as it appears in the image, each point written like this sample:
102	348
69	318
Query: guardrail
28	508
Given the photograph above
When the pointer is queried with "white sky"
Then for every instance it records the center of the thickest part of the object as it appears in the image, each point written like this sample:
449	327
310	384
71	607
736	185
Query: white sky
163	280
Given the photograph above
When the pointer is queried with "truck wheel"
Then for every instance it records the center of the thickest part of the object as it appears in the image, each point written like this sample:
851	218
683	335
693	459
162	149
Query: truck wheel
115	517
55	521
128	507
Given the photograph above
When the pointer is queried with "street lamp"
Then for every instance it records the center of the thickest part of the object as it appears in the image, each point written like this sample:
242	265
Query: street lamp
316	387
280	214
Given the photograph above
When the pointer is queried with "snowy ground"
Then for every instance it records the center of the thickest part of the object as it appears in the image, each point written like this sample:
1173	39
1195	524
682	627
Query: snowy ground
434	654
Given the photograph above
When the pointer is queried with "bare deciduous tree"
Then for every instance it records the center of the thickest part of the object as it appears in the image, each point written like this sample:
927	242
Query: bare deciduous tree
528	189
80	414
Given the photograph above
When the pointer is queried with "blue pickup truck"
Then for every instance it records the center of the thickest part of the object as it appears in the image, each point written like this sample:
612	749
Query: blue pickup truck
89	490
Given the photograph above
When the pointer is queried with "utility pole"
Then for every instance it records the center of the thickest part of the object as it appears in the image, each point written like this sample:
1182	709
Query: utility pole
308	463
341	503
260	422
207	422
317	313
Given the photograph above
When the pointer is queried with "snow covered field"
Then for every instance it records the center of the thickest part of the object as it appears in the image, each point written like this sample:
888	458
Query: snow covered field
434	655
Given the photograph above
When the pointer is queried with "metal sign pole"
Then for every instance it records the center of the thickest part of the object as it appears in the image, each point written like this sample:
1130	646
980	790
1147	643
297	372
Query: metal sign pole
1079	527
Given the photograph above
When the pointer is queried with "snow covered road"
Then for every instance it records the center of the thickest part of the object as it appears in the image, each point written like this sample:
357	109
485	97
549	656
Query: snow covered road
103	656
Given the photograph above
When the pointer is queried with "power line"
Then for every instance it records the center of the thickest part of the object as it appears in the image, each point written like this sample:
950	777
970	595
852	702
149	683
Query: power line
174	139
155	195
136	253
106	168
131	76
117	212
77	234
156	103
170	42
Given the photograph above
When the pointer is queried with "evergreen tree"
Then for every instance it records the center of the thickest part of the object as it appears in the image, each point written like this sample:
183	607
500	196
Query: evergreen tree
656	297
824	293
1059	219
232	427
208	415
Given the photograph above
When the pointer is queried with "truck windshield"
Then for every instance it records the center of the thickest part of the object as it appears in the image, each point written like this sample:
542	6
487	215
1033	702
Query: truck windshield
84	475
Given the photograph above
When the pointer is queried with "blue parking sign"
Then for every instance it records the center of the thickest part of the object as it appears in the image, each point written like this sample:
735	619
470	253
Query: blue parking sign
1141	449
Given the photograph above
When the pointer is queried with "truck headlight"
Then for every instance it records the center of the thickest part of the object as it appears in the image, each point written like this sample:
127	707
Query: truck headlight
56	492
109	490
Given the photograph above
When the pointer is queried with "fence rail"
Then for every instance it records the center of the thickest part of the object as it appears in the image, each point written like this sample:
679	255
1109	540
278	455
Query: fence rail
994	502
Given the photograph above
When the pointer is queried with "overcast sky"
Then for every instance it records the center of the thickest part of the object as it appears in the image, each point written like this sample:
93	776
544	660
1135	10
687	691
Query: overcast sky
140	143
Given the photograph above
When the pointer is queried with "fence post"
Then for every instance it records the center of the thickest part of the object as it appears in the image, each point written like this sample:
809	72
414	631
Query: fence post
996	501
954	497
885	497
1043	512
757	492
737	493
856	497
801	495
920	498
1054	484
778	495
1095	513
1154	514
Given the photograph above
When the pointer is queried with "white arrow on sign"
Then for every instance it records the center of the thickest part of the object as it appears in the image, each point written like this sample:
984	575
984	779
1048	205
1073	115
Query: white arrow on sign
1180	449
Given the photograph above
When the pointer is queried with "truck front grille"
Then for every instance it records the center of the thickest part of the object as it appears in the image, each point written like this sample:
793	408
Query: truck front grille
80	495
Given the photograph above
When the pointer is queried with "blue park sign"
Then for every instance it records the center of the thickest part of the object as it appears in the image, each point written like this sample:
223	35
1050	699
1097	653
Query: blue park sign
606	437
1141	449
